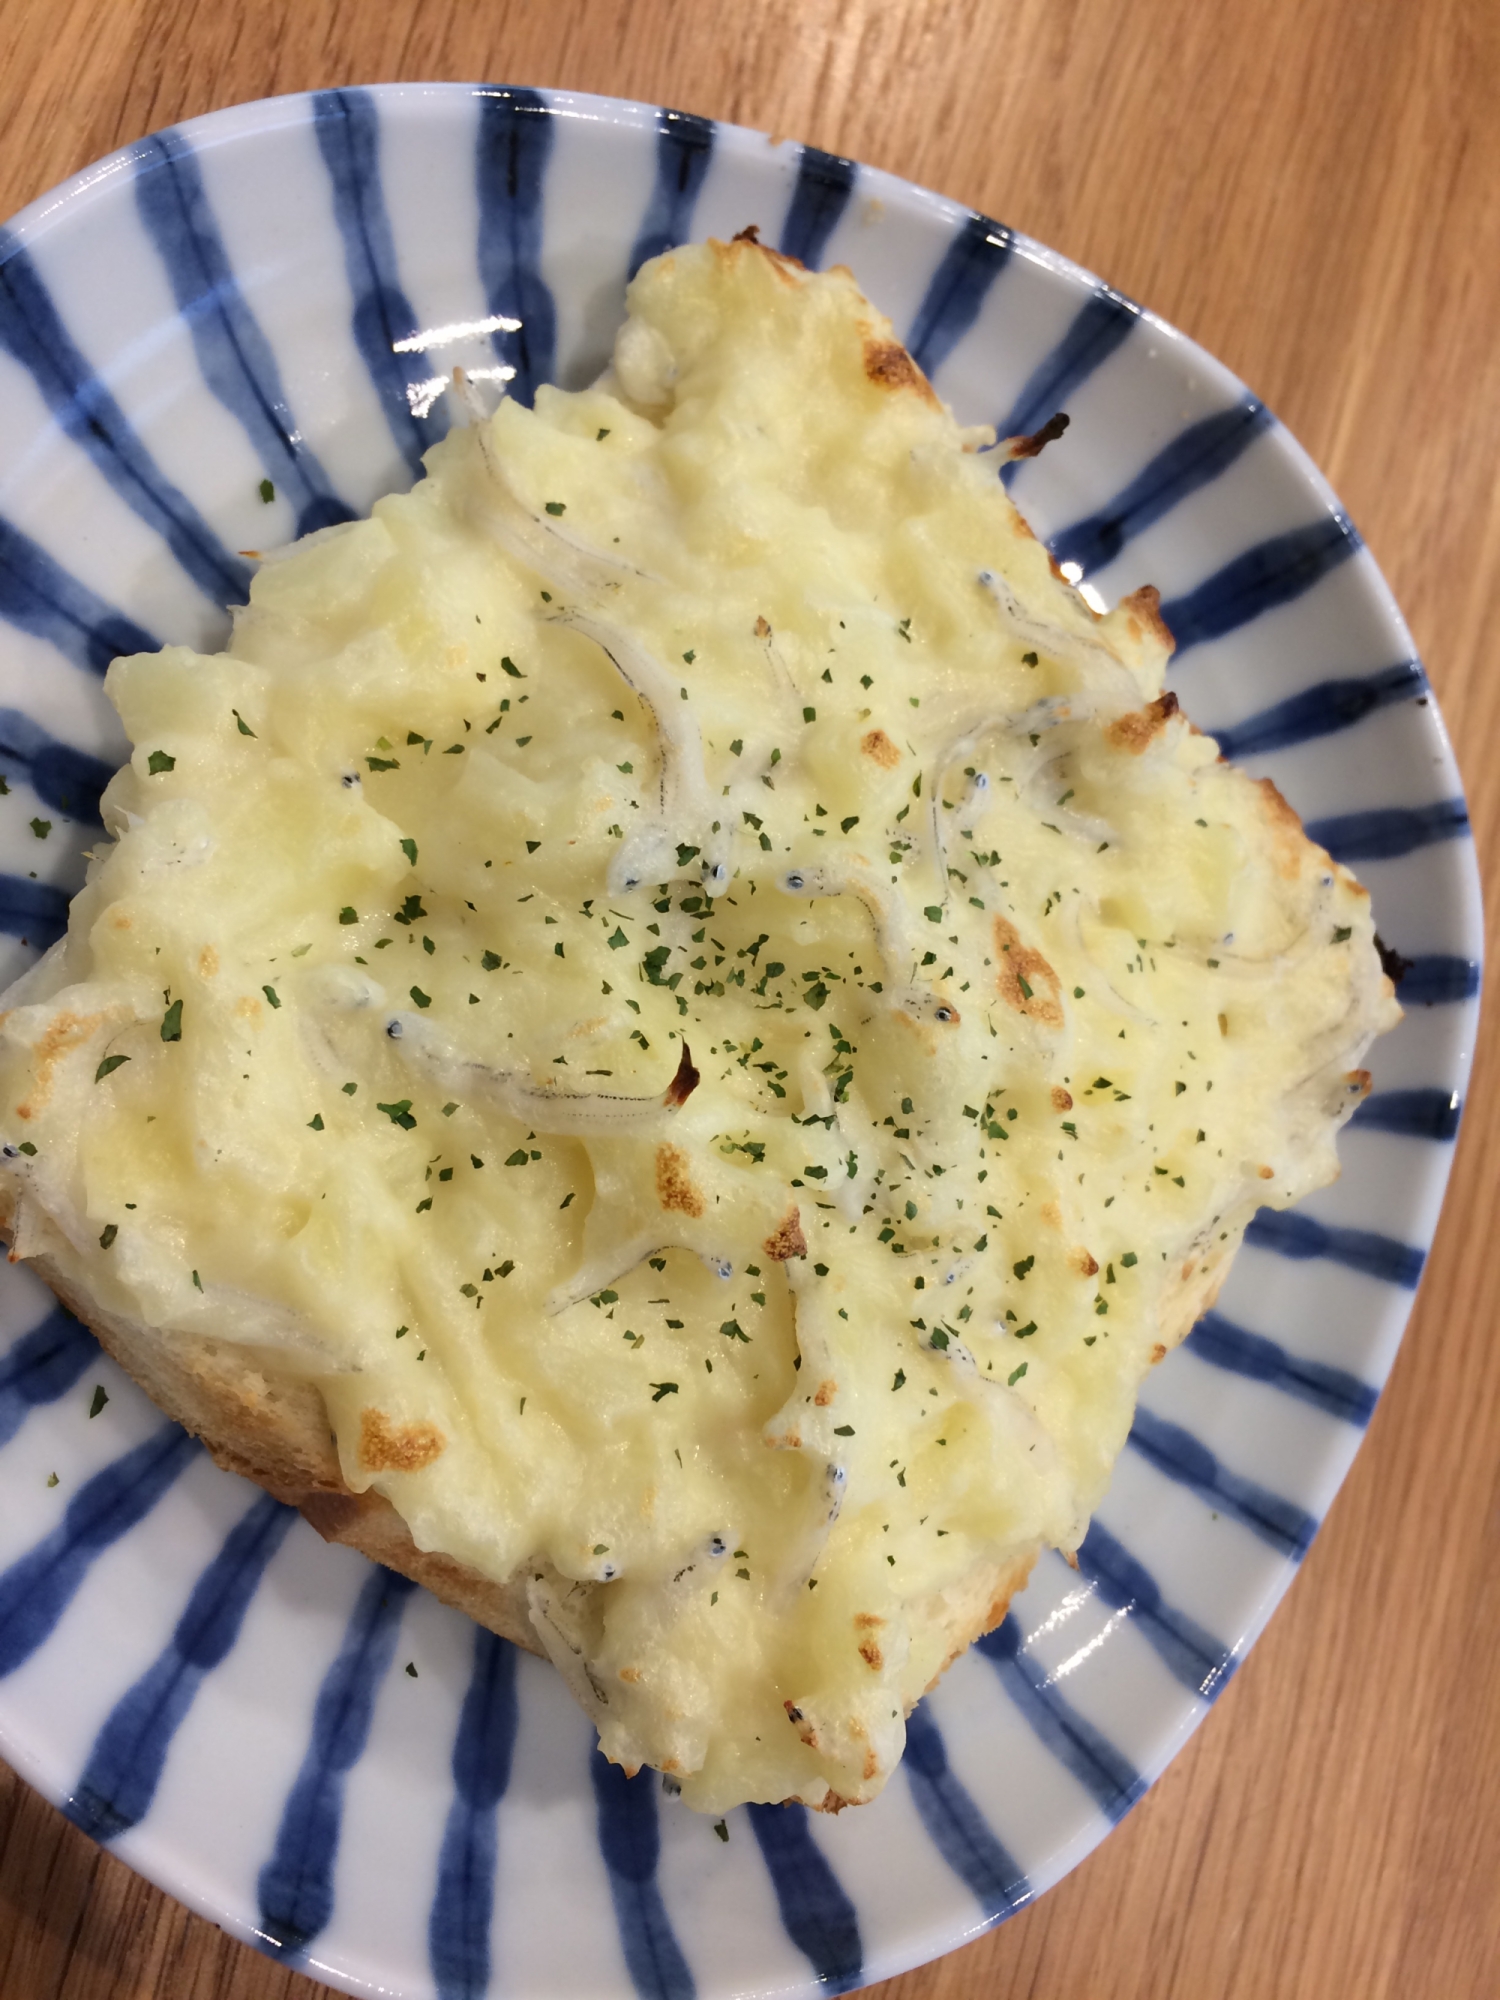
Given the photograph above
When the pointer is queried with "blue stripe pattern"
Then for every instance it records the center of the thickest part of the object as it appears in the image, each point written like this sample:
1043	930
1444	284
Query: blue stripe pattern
38	1587
66	779
630	1842
1291	1234
1334	1390
296	1884
37	595
1438	979
956	1826
348	130
1110	1779
1415	1114
1389	832
824	184
458	1928
1274	572
1322	710
236	359
817	1913
34	912
1184	1458
32	333
515	143
129	1755
978	252
41	1366
1098	328
1194	1656
684	149
1193	459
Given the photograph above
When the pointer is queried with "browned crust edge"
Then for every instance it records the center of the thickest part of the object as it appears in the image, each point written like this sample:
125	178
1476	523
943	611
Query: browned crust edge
277	1435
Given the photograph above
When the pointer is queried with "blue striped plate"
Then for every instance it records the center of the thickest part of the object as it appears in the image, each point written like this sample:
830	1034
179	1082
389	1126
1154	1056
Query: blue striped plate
313	1753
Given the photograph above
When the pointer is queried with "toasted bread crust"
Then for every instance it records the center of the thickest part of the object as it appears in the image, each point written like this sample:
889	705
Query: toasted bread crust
276	1433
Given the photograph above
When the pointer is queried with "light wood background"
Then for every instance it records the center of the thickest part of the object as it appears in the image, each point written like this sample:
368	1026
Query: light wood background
1311	188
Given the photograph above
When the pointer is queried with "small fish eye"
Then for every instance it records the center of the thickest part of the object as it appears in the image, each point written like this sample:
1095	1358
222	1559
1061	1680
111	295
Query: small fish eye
395	1030
795	881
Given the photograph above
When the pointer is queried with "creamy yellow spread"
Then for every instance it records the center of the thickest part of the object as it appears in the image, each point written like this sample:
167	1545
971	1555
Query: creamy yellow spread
696	991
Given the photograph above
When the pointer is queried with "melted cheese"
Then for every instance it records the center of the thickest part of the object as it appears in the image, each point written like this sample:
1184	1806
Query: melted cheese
727	707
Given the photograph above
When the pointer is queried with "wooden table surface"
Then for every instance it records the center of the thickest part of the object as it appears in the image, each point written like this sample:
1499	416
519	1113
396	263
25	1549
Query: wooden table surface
1311	188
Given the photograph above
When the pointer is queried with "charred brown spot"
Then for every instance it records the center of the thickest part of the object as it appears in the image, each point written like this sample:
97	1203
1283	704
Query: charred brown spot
1070	1557
1158	1353
1392	964
1134	731
1142	609
1084	1263
686	1081
748	243
875	743
1025	980
630	1674
1062	1100
889	366
388	1447
873	1658
1359	1082
208	962
1028	447
675	1186
867	1621
787	1239
1266	1173
63	1033
803	1728
762	629
1051	1214
871	1766
826	1393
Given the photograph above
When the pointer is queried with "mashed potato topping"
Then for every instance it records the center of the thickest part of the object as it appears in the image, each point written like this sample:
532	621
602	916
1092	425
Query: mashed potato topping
715	1011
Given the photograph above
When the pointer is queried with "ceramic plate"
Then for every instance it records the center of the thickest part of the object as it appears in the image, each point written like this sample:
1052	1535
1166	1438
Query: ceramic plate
314	1754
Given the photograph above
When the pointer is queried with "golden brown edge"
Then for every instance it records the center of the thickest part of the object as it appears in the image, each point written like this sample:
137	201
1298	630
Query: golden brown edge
276	1434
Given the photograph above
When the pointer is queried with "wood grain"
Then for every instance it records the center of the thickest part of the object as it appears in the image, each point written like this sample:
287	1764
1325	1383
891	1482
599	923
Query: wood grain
1312	189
